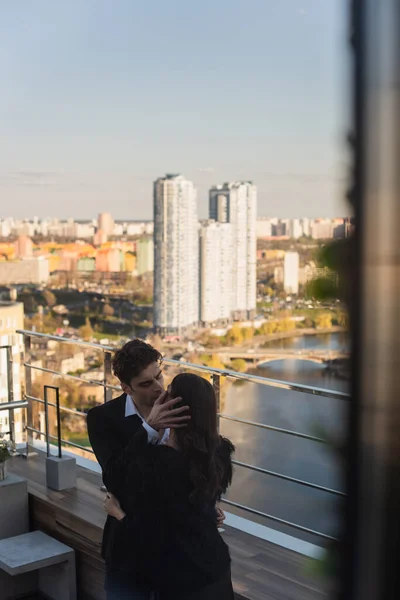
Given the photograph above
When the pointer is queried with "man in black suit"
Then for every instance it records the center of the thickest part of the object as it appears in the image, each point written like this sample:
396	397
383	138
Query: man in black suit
141	415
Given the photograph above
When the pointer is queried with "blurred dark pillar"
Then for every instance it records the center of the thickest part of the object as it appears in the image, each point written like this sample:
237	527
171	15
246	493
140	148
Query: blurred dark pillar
372	562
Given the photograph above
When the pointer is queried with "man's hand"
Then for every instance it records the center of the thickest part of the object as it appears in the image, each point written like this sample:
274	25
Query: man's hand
112	507
220	516
163	415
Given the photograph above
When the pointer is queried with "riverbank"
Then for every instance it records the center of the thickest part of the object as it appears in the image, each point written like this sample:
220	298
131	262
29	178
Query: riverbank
300	333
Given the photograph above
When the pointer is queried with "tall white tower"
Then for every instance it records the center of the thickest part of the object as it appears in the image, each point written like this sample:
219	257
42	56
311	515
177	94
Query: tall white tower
216	272
236	203
176	255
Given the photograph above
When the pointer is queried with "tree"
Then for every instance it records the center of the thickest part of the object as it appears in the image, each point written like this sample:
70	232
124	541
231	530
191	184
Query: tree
213	361
108	310
239	364
234	335
49	298
212	341
269	328
86	331
248	333
285	325
323	321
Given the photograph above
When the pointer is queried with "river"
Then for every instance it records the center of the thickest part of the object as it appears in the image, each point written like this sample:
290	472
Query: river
307	460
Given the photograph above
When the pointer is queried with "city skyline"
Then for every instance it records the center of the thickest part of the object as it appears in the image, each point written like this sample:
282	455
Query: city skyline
98	100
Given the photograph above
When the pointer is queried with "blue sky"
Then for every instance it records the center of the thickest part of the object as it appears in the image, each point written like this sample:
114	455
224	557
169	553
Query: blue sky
100	97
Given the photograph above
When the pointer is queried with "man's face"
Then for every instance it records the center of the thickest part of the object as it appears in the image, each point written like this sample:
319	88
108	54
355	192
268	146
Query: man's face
147	386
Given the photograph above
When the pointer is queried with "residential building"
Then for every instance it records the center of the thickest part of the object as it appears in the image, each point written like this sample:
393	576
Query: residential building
129	263
24	247
216	272
295	229
176	255
236	203
11	319
31	270
145	255
280	229
321	229
264	228
306	227
86	263
291	273
138	228
106	223
109	260
84	230
100	238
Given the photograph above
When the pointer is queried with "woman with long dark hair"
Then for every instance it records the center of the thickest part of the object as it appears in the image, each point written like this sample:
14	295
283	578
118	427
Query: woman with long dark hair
165	503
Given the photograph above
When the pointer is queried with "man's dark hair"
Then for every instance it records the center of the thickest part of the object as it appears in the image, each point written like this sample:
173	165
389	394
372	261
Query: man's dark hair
130	360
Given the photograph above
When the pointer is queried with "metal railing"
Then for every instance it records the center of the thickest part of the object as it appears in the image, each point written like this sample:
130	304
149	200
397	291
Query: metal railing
216	376
11	403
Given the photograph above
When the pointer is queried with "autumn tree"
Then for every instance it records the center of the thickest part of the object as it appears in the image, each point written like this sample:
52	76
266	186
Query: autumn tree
108	310
86	331
248	333
49	298
323	321
234	336
239	364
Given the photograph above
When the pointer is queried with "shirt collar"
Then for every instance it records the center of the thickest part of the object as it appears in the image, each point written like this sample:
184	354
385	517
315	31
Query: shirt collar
130	408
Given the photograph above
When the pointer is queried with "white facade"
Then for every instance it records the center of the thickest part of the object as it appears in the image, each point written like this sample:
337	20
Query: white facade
176	255
216	272
291	273
11	319
295	229
139	228
305	224
84	230
236	203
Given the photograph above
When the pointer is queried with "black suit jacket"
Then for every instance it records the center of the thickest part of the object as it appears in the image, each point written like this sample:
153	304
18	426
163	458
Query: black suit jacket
114	438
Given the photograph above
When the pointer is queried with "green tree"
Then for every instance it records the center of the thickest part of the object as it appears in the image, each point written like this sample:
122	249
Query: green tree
86	331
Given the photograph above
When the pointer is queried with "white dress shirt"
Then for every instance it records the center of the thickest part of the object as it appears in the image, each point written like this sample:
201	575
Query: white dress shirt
152	434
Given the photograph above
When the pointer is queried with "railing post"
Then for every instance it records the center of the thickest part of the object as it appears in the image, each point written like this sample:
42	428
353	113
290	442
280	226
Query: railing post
28	392
216	383
10	388
58	421
107	376
46	420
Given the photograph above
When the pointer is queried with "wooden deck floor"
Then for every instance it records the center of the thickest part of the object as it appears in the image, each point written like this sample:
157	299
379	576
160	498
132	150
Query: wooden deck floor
260	570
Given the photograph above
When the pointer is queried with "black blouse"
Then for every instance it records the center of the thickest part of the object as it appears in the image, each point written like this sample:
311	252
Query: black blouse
167	540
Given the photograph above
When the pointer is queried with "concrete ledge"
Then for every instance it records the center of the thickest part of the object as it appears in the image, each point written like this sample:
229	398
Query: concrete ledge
37	561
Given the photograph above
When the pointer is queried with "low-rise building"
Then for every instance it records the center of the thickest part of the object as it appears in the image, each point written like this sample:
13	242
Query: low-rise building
11	319
32	270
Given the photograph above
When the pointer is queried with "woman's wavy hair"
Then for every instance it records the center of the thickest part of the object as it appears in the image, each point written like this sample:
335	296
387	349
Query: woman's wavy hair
208	454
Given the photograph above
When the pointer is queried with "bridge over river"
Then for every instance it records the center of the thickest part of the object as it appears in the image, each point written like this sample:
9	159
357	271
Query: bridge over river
259	357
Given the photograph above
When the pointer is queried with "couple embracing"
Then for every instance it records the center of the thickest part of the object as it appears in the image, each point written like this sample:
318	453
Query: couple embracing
165	467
